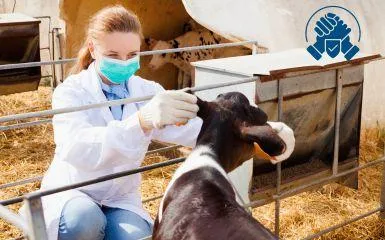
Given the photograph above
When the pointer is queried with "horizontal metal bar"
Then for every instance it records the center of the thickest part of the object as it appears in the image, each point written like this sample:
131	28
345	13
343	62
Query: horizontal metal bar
42	193
152	199
35	64
194	48
14	219
48	17
45	113
19	238
327	230
21	182
290	192
145	53
164	149
24	125
39	178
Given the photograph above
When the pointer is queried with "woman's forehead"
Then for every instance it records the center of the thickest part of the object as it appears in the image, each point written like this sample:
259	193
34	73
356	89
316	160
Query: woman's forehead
120	42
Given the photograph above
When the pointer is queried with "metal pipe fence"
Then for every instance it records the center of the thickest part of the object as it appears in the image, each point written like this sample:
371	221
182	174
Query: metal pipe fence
38	194
144	53
39	178
32	200
46	113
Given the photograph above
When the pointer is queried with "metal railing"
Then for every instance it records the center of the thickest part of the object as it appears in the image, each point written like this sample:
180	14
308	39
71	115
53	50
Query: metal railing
39	178
36	224
144	53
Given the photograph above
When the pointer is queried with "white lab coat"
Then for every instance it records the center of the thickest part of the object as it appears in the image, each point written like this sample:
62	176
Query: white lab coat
91	143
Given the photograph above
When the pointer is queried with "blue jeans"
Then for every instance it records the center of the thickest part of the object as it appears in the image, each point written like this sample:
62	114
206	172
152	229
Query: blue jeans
83	219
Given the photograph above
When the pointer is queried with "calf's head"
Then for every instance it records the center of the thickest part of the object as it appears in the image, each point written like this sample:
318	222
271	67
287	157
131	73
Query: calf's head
157	60
236	131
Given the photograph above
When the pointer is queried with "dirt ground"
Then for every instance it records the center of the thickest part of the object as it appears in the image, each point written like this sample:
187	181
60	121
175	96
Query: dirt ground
28	152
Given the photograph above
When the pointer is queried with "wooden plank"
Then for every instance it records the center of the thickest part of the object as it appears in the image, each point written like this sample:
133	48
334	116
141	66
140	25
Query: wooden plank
313	82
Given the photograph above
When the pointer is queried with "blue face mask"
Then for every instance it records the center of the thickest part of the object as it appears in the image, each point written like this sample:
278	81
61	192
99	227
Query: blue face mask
118	71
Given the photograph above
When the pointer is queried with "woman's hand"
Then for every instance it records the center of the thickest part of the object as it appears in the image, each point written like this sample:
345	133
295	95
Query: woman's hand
168	108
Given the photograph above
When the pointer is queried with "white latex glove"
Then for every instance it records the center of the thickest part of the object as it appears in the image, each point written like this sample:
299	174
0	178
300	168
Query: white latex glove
287	135
168	108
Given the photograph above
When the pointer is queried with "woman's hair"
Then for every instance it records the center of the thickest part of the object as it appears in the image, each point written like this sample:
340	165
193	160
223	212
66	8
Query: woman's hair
108	20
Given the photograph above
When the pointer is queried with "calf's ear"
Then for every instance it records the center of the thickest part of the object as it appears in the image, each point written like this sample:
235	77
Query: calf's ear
203	108
267	143
257	115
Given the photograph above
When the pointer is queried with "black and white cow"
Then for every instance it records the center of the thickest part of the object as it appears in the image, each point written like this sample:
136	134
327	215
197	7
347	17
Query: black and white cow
200	202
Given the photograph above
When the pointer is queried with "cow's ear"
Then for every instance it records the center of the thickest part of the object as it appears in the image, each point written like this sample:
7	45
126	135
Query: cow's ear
204	108
267	143
257	115
150	42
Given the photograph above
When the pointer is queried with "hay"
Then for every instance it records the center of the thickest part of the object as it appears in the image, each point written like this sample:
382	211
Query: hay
28	152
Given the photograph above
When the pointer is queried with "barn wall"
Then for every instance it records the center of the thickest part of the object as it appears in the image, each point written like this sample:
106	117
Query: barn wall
162	19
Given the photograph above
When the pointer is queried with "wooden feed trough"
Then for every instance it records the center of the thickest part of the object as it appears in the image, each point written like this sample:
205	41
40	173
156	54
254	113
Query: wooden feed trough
19	43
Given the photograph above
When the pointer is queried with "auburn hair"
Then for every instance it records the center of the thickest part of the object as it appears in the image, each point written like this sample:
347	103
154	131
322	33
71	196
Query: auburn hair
107	20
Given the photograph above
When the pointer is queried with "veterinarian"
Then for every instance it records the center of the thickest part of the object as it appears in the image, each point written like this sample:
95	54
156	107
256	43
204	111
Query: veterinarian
101	141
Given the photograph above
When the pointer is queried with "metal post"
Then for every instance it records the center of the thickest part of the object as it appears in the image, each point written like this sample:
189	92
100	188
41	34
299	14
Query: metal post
254	49
35	217
382	197
59	39
53	84
13	219
279	166
337	119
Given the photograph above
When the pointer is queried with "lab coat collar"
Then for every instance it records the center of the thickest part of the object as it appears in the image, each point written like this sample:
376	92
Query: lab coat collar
92	84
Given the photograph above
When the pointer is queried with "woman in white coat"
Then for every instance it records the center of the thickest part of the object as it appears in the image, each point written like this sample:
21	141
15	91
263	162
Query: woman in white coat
102	141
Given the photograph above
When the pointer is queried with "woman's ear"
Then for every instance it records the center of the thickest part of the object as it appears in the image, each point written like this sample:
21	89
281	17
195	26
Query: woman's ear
91	48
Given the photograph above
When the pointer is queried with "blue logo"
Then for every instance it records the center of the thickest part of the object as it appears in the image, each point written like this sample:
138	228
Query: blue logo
332	35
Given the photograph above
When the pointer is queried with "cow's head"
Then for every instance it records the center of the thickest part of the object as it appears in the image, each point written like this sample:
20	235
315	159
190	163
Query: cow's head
157	60
237	131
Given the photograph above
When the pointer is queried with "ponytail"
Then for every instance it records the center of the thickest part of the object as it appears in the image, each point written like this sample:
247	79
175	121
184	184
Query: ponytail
84	59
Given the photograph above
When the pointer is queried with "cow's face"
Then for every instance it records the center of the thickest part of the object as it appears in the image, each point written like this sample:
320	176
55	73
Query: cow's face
157	60
237	131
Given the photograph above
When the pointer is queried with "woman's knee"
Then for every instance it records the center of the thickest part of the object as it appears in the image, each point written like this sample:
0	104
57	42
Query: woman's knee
82	219
124	224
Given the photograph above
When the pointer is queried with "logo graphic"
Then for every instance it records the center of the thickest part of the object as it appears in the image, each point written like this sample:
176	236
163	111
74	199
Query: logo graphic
332	36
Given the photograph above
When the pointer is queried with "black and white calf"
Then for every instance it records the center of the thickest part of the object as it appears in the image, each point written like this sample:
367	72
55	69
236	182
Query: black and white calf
200	202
